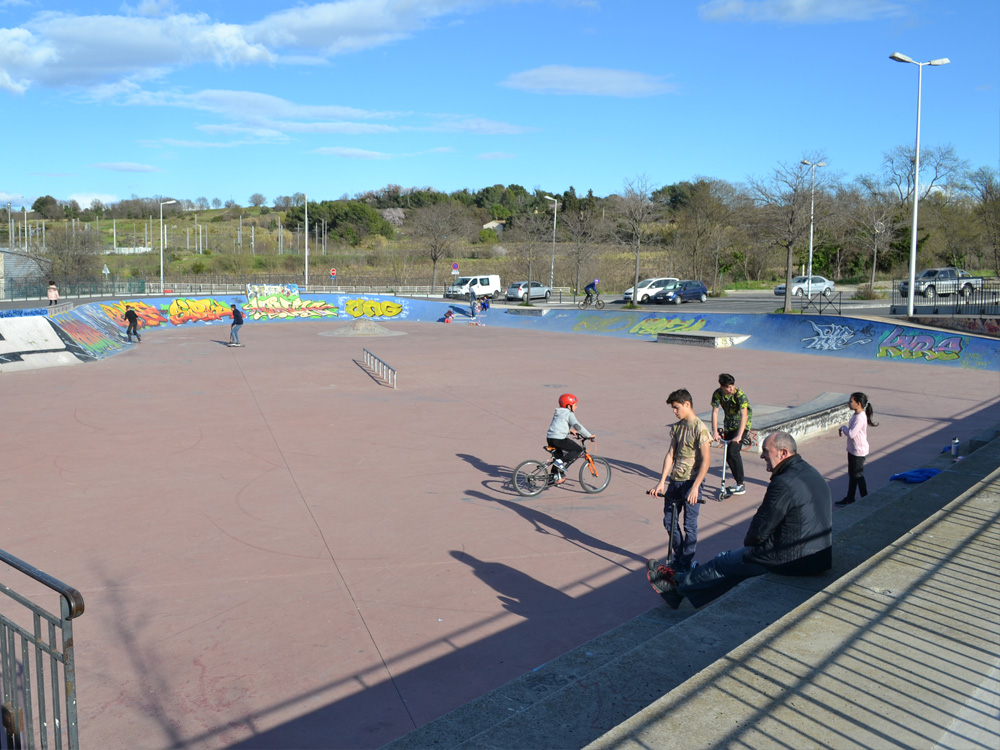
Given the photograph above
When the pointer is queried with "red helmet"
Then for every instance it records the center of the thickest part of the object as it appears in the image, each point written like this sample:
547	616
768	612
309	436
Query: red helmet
567	399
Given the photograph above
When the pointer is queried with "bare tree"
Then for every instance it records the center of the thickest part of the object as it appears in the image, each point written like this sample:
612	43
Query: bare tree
585	229
257	200
635	210
528	237
941	163
985	188
783	210
73	254
440	226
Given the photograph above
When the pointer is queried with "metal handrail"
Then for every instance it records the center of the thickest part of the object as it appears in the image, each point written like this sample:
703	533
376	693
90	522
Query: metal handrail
380	368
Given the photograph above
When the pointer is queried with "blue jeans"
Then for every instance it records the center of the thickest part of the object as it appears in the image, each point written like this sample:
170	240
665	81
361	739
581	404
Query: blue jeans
717	576
686	534
234	333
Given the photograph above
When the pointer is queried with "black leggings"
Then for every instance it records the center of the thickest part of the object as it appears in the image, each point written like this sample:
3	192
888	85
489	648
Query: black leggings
856	476
734	460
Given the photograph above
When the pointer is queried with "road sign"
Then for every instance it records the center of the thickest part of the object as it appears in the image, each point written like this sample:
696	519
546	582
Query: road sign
333	272
454	266
106	271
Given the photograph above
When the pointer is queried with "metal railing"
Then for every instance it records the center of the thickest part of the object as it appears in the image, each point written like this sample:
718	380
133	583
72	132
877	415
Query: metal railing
983	300
380	368
819	303
37	668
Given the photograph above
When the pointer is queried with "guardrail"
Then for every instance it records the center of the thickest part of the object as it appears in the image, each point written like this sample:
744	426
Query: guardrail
380	368
37	667
982	301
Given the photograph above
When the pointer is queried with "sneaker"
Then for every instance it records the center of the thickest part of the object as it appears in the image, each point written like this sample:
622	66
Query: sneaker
559	464
668	592
558	477
845	502
657	571
738	490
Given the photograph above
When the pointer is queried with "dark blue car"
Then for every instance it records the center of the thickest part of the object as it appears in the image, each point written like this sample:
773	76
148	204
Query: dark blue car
685	291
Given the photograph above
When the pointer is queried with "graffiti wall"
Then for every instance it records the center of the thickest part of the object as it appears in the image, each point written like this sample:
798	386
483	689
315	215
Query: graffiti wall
31	342
96	330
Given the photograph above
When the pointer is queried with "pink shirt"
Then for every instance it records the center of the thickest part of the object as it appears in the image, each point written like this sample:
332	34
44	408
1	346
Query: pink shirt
857	435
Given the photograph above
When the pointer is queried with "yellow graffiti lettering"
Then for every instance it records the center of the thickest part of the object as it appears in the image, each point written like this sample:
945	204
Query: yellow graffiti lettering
653	326
357	308
184	310
929	355
603	323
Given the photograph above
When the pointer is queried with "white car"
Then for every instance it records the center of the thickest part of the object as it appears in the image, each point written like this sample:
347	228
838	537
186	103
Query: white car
648	289
801	285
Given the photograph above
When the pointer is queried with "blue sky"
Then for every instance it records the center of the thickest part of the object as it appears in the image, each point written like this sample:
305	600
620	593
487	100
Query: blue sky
221	99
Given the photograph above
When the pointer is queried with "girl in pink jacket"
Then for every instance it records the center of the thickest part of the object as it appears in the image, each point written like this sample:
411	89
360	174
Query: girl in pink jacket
857	446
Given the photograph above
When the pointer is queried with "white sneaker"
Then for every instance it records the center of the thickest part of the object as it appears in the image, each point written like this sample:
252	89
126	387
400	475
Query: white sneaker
559	464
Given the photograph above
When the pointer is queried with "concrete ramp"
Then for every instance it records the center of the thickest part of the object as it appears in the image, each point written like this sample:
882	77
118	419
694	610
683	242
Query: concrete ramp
28	343
712	339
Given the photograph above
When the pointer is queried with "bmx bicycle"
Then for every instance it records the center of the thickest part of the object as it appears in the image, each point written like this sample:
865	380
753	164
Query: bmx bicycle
587	302
532	477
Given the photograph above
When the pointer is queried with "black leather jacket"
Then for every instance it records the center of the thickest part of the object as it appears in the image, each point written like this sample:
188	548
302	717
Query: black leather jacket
791	532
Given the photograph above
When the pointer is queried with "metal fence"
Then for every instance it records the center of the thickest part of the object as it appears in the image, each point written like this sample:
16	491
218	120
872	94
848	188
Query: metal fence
37	668
380	368
25	289
982	301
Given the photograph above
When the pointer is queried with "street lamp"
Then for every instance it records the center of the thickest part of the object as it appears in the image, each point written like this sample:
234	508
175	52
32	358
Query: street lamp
164	203
555	212
812	207
900	57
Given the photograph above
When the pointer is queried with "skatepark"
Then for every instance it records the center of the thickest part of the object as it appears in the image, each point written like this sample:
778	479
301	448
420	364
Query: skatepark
278	550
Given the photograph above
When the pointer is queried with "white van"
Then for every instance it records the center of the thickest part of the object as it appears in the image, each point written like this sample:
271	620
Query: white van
483	286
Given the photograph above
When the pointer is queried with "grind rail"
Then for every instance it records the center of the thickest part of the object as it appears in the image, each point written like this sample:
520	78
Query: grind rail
380	368
37	668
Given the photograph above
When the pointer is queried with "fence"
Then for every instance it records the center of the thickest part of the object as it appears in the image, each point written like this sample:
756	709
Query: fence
982	301
380	368
24	289
37	667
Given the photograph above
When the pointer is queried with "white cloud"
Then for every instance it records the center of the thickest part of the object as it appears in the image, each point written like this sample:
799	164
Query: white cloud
352	153
15	199
564	79
496	155
125	166
474	125
799	11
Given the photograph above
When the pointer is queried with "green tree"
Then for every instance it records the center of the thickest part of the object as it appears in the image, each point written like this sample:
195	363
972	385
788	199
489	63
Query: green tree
48	207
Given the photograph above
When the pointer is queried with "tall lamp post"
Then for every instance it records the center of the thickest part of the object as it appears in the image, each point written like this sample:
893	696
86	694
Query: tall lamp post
812	208
164	203
900	57
555	212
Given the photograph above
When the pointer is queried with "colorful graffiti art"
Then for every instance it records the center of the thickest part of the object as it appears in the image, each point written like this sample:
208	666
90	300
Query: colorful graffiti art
93	330
149	316
920	345
835	337
183	310
370	308
282	301
653	326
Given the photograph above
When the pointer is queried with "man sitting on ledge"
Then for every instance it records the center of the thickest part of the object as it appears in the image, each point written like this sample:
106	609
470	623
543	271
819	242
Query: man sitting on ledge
790	534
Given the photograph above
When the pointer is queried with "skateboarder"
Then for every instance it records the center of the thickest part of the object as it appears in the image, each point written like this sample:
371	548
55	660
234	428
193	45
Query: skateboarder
133	321
234	329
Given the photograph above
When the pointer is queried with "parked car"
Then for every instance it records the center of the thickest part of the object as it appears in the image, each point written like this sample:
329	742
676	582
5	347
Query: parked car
685	291
942	282
648	289
519	290
661	296
801	285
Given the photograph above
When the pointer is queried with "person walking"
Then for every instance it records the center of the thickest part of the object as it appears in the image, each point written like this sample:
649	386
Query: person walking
133	324
856	432
234	329
52	293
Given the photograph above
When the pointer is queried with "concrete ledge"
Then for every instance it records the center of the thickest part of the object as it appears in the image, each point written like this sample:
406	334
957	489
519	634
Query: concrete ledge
615	691
702	338
821	413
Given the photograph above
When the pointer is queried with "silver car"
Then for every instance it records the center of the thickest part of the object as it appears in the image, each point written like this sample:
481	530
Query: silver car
801	285
519	290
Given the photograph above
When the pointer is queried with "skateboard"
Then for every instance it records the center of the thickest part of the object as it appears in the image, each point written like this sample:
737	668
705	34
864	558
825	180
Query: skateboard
234	344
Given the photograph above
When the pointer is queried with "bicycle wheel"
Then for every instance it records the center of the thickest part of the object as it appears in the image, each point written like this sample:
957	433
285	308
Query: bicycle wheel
599	304
582	304
595	483
530	478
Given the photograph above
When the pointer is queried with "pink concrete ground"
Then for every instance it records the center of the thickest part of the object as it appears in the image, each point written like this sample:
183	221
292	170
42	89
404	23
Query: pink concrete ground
276	551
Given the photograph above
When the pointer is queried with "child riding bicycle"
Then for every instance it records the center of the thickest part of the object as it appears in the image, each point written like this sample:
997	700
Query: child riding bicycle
591	290
564	423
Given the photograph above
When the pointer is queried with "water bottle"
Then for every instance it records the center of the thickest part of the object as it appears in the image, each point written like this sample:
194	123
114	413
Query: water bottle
954	446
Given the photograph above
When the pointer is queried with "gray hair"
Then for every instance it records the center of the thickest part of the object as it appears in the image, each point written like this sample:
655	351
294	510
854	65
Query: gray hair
783	441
